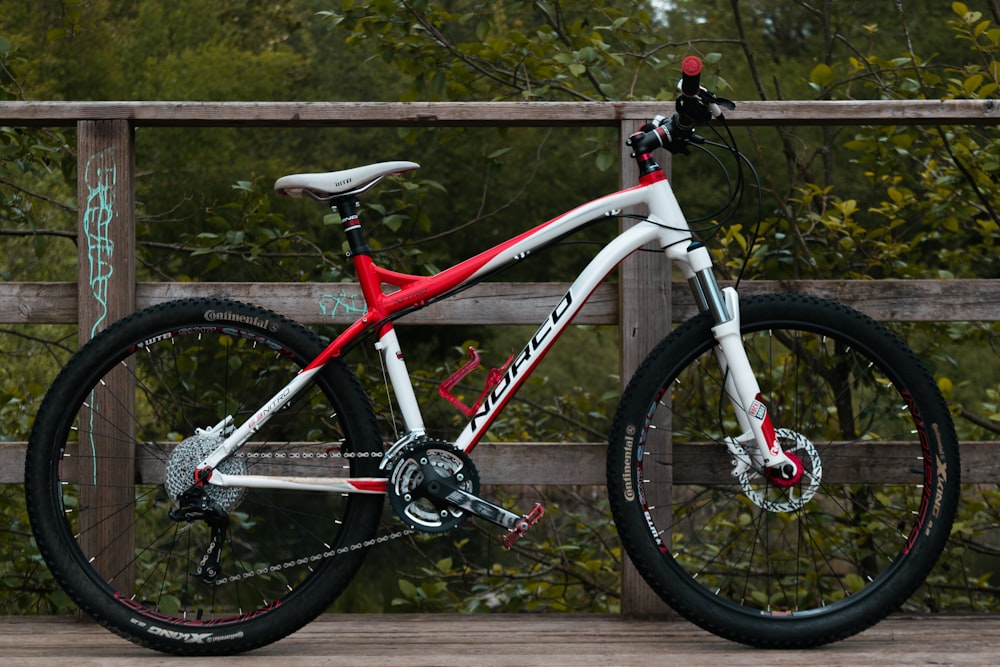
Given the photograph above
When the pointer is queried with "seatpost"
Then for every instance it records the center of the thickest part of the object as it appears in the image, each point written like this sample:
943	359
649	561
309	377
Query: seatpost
348	210
359	252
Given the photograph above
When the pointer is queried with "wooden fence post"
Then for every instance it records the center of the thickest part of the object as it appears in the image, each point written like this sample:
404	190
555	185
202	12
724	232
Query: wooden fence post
644	320
106	242
106	247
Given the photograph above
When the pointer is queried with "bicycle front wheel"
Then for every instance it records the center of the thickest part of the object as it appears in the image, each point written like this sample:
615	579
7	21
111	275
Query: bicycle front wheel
115	443
806	564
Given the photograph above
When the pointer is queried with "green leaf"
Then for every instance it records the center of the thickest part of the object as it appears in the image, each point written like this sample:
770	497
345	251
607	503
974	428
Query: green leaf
605	160
393	222
973	83
821	75
408	589
168	604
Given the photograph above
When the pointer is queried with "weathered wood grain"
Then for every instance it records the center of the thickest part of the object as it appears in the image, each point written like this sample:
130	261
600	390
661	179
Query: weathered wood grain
506	640
522	303
583	464
479	114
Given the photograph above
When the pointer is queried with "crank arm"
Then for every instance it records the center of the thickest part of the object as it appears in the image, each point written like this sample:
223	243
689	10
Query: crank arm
484	509
516	525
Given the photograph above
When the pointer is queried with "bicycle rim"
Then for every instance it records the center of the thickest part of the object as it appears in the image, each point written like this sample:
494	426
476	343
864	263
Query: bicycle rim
116	441
826	557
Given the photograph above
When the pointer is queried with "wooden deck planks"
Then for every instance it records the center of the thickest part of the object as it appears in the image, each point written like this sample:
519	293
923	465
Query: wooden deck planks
412	640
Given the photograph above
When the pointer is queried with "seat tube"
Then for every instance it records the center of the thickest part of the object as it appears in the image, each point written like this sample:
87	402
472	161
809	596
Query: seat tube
392	360
388	344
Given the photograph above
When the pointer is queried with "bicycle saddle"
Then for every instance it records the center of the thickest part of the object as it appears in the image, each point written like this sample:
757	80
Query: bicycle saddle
331	184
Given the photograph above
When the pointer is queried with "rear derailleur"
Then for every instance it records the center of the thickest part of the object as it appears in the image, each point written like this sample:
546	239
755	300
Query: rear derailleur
434	486
196	504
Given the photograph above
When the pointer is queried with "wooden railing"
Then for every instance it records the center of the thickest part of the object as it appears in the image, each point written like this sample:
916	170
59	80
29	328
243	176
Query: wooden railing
643	305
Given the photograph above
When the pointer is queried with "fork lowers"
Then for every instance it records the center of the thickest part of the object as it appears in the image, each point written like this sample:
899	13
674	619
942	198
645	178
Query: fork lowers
787	474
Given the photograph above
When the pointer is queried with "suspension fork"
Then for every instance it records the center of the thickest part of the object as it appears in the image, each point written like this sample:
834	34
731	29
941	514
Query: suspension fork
741	385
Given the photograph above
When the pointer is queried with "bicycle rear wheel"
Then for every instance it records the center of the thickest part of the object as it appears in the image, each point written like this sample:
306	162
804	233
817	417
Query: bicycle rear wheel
116	440
785	567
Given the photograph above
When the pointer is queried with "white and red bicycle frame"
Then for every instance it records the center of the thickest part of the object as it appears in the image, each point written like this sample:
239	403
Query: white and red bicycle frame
664	226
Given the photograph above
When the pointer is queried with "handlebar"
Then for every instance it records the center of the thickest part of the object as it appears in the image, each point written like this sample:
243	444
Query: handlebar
690	83
695	107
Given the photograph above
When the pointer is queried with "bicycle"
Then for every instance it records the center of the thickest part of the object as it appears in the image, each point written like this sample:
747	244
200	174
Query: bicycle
206	476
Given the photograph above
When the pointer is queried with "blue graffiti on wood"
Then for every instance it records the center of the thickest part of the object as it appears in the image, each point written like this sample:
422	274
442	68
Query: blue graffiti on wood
342	303
101	176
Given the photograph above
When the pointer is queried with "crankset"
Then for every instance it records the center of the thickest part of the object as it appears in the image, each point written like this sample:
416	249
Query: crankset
434	487
420	480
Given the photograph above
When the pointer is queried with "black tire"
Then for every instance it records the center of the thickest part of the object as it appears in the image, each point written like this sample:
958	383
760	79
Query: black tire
806	565
147	383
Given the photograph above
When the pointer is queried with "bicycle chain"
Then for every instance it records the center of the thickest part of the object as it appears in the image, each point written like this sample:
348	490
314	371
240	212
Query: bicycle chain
381	539
308	455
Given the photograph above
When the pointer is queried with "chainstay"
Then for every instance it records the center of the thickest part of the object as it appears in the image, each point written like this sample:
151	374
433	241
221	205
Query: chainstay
330	553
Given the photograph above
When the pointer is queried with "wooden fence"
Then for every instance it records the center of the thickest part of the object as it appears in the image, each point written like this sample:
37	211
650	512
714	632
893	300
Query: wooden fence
642	306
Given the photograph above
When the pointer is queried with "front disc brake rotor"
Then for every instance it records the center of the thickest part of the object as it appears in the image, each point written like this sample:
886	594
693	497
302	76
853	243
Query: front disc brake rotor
775	498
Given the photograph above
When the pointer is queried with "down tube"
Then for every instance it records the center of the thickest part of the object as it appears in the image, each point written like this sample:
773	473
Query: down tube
553	326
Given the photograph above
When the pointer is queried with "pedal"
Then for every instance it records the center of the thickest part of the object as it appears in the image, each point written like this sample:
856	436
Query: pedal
526	522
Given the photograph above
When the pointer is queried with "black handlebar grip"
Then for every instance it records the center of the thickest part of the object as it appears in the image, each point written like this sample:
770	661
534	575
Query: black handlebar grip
691	75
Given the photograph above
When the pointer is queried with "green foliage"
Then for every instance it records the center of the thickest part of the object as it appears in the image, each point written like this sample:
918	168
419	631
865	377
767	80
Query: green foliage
570	561
937	185
37	168
26	586
588	50
964	578
928	205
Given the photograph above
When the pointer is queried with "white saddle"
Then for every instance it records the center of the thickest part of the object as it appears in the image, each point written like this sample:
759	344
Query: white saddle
331	184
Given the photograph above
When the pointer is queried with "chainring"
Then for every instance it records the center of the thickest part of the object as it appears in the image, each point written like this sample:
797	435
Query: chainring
408	481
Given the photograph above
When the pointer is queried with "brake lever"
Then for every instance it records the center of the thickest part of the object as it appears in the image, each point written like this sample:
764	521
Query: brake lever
711	98
709	102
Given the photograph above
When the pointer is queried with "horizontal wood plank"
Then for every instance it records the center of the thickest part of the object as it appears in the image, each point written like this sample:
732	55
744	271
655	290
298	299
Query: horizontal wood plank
583	464
513	640
481	114
521	303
